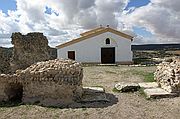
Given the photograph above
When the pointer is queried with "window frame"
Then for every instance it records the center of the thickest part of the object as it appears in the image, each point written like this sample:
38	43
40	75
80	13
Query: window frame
73	53
108	41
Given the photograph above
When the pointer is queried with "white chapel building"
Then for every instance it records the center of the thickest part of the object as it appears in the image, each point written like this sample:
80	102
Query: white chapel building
101	45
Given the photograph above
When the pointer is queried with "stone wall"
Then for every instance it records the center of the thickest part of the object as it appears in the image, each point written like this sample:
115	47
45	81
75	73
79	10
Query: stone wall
29	49
5	55
5	81
54	82
168	75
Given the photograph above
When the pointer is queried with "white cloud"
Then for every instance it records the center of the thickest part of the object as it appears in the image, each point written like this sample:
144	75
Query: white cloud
173	5
106	11
160	17
73	17
69	18
5	42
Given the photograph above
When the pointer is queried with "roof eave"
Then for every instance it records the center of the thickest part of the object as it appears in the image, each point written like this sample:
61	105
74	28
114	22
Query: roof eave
95	34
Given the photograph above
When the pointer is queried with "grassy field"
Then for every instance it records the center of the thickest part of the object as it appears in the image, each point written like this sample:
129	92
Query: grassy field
121	105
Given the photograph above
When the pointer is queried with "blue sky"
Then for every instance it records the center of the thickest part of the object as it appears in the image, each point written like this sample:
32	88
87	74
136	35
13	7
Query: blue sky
6	5
142	31
137	3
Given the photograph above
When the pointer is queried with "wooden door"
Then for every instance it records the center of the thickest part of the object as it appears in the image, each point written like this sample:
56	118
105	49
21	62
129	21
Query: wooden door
71	55
108	55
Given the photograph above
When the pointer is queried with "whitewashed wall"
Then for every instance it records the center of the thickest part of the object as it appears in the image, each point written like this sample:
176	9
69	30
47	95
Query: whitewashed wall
89	50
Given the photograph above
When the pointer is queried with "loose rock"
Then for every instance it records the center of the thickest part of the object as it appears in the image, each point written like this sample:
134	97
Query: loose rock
148	85
158	93
126	87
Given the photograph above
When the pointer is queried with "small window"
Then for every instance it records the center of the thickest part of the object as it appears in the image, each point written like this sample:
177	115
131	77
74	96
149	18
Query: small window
107	41
71	55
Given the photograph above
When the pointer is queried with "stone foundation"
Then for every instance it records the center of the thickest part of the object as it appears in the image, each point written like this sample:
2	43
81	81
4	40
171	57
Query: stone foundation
54	82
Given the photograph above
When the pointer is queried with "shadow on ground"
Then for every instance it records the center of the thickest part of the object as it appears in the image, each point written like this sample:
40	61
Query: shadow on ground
95	104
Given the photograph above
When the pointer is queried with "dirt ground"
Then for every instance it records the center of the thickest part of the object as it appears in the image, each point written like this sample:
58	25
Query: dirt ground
121	105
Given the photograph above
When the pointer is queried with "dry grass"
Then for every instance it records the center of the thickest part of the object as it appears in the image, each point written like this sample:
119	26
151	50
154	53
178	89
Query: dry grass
176	52
125	105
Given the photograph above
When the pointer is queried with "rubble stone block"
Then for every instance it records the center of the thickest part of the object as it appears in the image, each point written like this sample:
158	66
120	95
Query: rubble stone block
146	85
158	93
89	90
126	87
167	75
45	83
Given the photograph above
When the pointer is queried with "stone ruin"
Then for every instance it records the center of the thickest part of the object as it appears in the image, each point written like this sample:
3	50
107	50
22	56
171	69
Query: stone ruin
29	49
50	83
167	75
5	54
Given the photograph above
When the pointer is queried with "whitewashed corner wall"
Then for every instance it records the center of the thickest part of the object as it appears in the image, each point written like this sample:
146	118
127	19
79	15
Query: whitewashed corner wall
89	50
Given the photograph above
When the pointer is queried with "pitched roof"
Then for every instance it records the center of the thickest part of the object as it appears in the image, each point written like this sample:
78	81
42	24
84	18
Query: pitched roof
93	33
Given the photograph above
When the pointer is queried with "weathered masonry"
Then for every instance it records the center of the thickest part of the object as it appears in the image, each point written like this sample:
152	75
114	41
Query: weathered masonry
168	75
51	83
